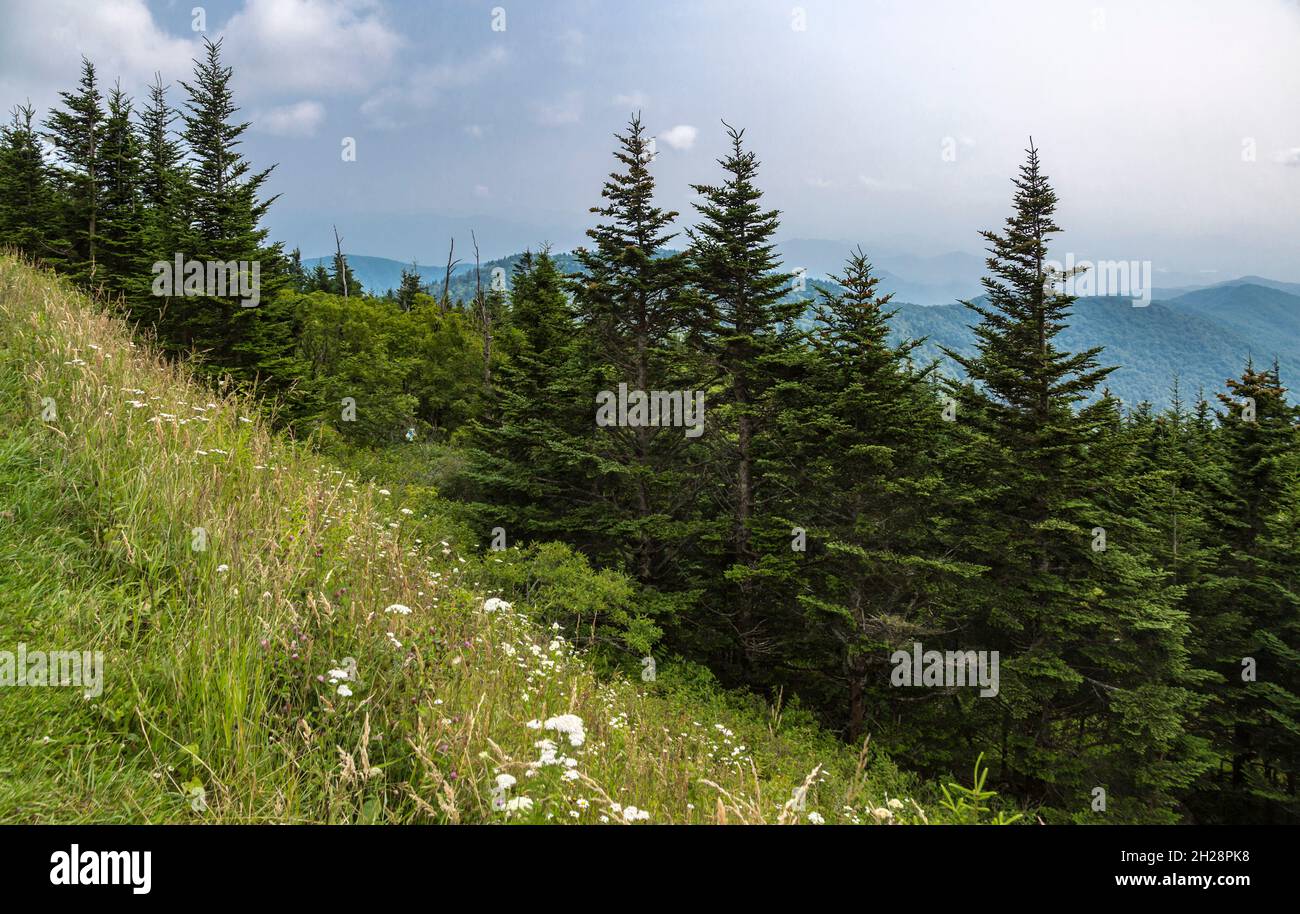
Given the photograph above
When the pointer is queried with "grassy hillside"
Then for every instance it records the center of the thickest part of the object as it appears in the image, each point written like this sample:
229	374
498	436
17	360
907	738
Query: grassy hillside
328	656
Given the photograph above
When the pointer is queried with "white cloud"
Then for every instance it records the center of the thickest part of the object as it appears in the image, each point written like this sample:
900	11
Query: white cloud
310	45
877	184
680	137
402	104
299	119
572	46
474	130
1288	156
818	182
568	110
41	45
636	99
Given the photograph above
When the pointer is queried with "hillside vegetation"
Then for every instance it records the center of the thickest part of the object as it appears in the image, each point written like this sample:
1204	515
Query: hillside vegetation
229	695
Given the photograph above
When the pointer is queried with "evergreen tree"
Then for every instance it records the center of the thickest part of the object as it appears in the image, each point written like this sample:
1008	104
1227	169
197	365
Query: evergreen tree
163	185
632	310
225	225
75	133
409	287
860	432
744	325
1096	683
121	226
523	458
1248	633
27	203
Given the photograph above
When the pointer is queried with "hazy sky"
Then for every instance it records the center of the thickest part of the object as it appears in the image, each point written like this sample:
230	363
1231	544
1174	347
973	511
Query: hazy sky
1171	130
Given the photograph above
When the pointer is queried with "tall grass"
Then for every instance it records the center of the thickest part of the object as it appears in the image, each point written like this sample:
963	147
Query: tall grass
240	587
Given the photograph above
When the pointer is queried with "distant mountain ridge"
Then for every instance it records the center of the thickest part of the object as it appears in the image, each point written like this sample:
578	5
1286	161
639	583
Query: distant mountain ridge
1202	335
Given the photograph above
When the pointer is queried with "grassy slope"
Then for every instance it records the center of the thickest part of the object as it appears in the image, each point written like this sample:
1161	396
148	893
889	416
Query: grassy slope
214	674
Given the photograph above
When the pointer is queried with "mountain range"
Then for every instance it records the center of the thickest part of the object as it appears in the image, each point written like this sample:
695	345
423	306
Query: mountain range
1201	335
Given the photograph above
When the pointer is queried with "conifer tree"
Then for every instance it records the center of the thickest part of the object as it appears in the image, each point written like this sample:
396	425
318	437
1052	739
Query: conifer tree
1096	682
409	287
860	433
75	133
524	458
744	325
1248	633
631	305
121	226
225	213
27	204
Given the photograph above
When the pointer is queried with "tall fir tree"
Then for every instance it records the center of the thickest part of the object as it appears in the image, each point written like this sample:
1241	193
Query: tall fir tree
744	325
631	305
1096	682
225	215
163	187
76	134
122	219
27	202
526	461
863	505
1248	633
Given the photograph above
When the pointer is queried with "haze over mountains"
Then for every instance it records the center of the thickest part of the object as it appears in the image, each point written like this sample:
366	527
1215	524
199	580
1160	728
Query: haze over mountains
1200	334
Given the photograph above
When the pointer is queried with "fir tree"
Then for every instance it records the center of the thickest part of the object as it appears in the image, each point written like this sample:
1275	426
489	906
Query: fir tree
631	307
743	325
27	204
1096	682
75	133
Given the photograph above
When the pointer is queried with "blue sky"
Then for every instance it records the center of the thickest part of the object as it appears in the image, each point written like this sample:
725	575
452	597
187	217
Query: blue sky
1169	128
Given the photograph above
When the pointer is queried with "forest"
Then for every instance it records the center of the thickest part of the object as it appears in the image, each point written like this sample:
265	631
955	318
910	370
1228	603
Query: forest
696	474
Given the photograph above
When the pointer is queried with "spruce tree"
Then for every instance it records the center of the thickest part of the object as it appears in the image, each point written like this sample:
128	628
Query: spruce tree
27	203
861	453
121	226
225	214
526	459
1248	633
163	186
743	326
631	306
75	133
1096	685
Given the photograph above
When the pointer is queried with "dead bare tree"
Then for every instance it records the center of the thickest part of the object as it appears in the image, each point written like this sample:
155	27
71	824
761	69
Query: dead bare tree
484	313
446	277
340	262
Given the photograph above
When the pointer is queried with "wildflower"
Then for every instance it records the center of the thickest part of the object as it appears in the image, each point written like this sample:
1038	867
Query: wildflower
519	804
506	781
570	725
816	818
534	725
222	569
895	804
344	691
632	814
492	604
398	608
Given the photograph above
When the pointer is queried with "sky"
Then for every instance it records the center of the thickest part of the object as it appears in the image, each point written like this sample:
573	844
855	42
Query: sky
1170	128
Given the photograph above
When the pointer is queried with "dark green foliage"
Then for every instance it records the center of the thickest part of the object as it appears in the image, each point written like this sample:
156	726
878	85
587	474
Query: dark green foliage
27	201
75	133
